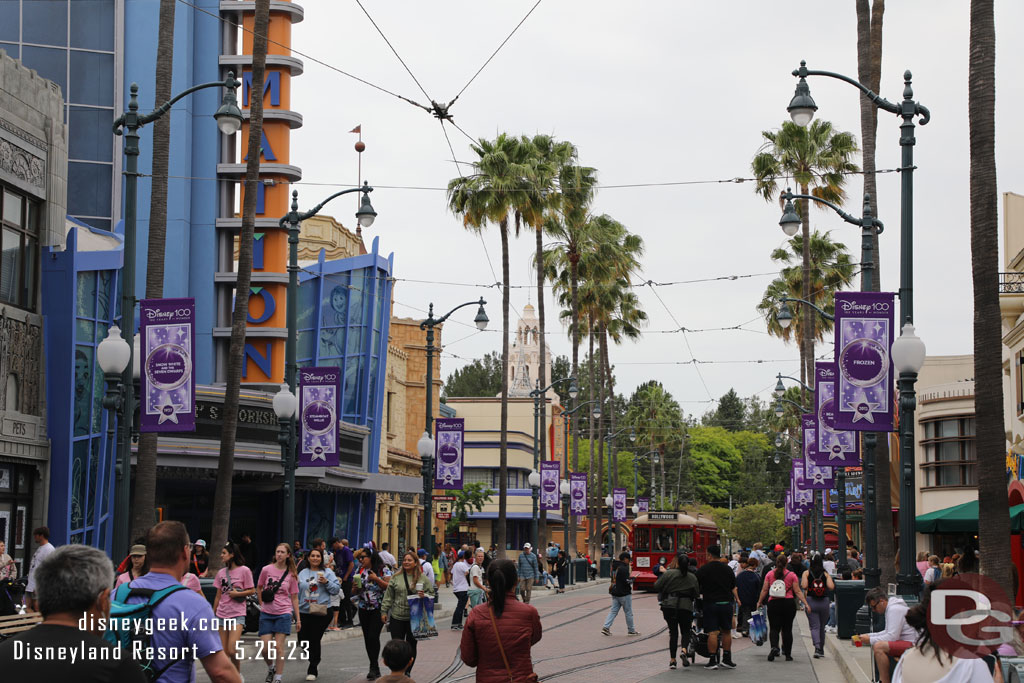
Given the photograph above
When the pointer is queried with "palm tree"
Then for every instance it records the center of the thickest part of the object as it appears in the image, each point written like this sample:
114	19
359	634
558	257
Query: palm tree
830	271
548	156
496	193
145	469
236	348
818	159
993	513
869	72
657	419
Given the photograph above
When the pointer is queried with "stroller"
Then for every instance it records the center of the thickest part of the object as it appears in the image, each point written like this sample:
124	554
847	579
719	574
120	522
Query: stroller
12	593
698	644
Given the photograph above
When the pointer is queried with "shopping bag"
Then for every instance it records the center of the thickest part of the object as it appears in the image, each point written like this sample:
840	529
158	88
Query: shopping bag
758	627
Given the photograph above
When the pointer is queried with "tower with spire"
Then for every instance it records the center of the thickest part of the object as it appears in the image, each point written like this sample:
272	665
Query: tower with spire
524	357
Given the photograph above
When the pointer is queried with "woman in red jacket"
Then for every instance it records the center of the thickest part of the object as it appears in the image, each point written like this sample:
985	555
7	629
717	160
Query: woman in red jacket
499	633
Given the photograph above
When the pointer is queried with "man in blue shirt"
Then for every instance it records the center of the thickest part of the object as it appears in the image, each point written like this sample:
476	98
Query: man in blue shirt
345	566
183	622
528	569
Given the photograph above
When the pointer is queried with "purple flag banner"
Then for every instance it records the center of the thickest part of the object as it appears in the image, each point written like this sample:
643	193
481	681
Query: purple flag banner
448	452
167	395
835	448
809	436
318	416
549	470
791	517
578	493
643	505
865	328
618	505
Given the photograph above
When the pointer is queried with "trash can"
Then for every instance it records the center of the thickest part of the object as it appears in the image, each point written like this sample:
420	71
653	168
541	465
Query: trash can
605	568
580	569
849	598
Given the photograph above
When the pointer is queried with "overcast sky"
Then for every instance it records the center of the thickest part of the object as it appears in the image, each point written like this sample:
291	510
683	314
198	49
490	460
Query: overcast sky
650	92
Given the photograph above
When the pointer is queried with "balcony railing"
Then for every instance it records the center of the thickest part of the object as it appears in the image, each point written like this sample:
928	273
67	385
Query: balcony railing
1011	283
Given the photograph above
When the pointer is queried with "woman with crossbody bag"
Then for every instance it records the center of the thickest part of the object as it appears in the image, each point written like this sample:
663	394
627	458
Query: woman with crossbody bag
780	587
317	584
278	588
677	588
394	608
817	583
499	634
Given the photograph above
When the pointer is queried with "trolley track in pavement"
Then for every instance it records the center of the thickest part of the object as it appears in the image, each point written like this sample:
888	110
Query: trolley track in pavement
457	664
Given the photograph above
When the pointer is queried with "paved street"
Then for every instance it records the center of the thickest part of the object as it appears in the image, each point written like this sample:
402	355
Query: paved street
573	649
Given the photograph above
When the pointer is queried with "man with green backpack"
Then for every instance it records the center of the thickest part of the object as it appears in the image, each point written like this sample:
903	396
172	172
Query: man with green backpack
164	626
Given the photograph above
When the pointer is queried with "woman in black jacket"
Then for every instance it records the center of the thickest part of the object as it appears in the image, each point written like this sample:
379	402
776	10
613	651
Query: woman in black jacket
677	588
561	570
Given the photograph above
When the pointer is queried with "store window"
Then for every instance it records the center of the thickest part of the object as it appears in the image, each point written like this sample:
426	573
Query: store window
950	459
19	249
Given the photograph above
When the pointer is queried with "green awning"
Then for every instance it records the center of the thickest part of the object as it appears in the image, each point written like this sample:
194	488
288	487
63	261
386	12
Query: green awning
963	519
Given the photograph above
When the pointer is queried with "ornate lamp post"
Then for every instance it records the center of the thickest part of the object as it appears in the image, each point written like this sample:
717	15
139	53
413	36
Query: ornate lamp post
229	120
537	395
563	488
425	445
286	405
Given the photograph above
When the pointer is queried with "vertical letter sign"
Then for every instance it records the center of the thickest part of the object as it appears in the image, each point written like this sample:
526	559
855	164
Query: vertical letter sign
318	416
167	395
578	493
448	453
864	334
549	485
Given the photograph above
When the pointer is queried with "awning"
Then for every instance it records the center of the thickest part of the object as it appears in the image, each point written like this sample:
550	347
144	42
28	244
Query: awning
963	519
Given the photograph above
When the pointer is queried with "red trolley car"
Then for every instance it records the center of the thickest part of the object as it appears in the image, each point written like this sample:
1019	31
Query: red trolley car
663	534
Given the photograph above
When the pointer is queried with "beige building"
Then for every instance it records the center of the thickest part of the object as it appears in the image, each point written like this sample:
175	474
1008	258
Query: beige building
1011	305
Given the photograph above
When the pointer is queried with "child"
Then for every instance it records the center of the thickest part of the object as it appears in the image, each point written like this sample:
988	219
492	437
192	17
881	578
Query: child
398	657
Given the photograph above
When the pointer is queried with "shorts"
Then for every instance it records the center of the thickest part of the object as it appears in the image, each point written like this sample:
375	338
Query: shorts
275	623
898	647
717	617
336	599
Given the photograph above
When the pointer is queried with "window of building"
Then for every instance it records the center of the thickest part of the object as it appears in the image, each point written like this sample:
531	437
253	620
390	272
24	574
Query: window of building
19	249
477	475
949	452
388	412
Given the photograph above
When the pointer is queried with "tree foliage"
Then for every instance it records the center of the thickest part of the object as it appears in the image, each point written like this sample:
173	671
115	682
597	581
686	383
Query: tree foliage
471	498
481	377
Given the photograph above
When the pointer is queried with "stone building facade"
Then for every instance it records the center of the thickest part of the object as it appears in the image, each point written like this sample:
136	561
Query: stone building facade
33	200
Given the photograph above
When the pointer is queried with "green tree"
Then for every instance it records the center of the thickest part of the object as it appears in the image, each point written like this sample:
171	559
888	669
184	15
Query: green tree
715	461
816	158
471	498
481	377
731	413
761	522
625	463
495	193
993	511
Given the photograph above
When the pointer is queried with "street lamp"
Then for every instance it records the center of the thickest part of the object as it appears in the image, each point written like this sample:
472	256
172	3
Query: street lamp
114	355
229	120
427	456
564	489
802	109
285	407
291	222
538	395
612	482
908	353
568	415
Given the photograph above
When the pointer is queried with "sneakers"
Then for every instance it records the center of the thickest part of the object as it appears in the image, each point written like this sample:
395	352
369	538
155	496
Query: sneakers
310	677
789	658
818	653
736	634
606	631
773	654
672	665
270	675
373	674
632	633
727	660
712	663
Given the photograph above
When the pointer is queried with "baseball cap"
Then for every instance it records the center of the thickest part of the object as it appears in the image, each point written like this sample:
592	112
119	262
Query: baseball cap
421	552
200	542
138	550
527	546
778	547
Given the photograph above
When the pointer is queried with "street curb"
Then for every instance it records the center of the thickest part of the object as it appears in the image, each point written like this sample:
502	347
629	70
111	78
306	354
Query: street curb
845	659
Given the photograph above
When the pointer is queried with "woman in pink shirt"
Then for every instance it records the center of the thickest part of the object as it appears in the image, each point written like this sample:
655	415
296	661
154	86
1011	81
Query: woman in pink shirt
234	584
780	587
138	567
280	583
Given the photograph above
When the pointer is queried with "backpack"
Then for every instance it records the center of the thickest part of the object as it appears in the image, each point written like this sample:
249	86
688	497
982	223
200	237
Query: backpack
130	624
777	589
818	588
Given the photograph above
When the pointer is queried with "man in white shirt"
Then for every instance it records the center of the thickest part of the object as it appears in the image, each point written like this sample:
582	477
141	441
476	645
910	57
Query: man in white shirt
896	638
387	557
426	566
41	536
460	586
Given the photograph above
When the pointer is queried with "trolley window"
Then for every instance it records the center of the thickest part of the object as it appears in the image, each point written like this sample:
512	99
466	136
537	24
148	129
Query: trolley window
685	539
641	539
663	540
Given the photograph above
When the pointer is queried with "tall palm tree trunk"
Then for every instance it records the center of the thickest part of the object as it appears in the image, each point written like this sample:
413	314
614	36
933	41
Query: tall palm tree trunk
993	512
594	521
574	330
613	465
809	313
601	475
145	468
501	533
236	349
542	376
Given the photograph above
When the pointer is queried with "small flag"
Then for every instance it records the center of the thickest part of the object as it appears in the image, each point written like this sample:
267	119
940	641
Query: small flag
357	129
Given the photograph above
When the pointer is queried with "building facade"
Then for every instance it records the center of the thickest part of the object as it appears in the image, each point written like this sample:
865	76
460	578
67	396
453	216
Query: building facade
33	196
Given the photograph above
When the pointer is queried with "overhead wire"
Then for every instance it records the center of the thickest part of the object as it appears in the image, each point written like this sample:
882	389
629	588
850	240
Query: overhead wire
686	339
408	70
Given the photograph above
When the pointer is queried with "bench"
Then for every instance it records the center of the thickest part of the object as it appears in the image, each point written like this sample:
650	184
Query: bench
16	623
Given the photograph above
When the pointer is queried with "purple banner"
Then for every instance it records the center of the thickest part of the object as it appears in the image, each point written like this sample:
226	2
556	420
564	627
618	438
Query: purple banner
318	416
618	505
549	470
835	448
809	436
578	493
643	505
448	452
864	330
791	517
168	392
